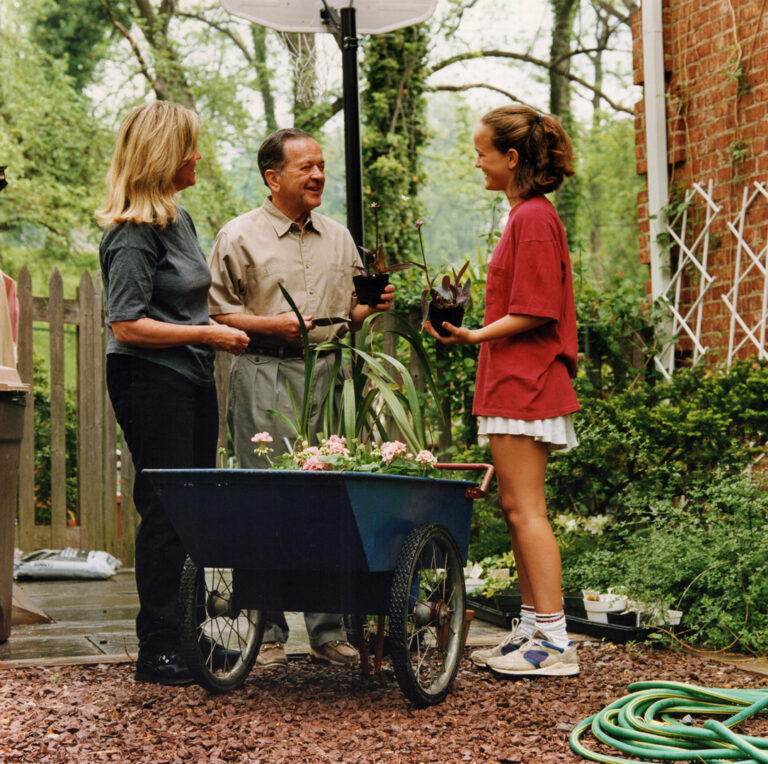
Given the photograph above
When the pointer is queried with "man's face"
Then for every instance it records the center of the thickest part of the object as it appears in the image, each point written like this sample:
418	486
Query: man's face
298	188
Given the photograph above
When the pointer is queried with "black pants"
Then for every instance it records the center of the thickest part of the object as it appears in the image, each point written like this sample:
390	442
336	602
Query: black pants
167	421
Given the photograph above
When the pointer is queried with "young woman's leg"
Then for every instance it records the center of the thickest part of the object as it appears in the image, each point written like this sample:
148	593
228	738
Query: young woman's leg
521	464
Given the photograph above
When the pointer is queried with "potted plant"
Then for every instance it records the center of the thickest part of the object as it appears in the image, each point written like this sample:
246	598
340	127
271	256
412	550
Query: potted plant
374	273
445	300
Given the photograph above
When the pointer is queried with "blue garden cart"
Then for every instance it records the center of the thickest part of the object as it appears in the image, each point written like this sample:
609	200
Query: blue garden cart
338	542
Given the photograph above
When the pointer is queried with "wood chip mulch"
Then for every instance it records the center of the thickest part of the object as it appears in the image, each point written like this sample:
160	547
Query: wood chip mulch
313	713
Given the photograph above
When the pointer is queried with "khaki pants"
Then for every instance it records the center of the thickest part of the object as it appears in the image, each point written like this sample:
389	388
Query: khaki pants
258	383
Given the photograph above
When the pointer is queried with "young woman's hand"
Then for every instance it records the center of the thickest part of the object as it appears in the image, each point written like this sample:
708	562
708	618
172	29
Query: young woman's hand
459	335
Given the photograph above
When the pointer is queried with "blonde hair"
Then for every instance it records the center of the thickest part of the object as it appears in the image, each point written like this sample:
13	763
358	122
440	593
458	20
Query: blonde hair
544	149
153	142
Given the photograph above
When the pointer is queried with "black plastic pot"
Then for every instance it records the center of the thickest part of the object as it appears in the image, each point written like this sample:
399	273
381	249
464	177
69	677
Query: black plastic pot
453	315
370	288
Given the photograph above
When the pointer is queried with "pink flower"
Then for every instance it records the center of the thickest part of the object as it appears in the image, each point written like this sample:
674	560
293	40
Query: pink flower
419	224
261	437
392	449
336	445
426	457
307	453
313	463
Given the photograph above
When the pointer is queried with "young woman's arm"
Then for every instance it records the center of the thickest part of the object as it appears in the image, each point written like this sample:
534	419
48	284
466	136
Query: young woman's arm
503	327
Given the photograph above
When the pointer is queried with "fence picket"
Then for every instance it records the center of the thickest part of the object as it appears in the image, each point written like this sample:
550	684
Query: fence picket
26	535
58	412
88	442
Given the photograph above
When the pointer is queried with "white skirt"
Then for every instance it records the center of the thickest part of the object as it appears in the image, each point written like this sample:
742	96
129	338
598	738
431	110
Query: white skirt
557	432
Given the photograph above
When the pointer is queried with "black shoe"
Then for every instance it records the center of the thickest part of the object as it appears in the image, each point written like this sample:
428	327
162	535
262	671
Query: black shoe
163	668
222	659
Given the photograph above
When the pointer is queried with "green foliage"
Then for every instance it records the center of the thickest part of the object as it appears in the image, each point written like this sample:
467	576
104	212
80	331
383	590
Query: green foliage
607	224
42	430
698	556
618	335
653	441
55	150
393	110
77	32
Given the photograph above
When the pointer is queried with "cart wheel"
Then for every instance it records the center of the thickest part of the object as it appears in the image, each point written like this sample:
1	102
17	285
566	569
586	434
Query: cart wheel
218	642
426	614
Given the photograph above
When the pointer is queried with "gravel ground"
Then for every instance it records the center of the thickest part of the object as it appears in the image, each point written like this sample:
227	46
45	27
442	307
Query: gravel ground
312	713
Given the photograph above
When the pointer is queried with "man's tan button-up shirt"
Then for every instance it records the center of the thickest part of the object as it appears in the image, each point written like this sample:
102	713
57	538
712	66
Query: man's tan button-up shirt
261	249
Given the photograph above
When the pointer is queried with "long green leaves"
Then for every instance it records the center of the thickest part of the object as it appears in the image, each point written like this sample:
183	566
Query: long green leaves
379	386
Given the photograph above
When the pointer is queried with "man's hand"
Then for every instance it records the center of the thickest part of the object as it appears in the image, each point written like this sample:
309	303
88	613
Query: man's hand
286	327
387	299
361	312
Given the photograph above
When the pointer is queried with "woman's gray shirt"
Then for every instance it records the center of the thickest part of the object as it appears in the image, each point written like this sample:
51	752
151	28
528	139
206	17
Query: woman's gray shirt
156	273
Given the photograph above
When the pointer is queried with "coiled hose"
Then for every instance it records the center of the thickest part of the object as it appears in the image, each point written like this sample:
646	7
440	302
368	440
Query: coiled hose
641	724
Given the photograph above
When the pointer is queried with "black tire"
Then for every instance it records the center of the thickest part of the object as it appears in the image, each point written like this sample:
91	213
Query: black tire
218	643
426	614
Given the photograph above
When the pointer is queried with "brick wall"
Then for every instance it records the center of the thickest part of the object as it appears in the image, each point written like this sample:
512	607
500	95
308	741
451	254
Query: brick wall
716	59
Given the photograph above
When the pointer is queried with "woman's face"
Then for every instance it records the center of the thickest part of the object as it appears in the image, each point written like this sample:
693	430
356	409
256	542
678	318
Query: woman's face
185	175
498	168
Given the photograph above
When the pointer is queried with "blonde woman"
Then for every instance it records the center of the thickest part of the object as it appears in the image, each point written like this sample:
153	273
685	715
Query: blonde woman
160	350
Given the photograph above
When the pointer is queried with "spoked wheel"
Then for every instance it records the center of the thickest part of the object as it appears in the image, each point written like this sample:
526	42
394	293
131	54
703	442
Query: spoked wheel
218	641
426	614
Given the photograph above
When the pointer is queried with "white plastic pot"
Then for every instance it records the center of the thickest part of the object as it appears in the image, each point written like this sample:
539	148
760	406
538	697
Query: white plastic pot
597	610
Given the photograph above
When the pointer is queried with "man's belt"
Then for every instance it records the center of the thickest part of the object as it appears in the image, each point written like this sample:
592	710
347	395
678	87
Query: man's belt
282	351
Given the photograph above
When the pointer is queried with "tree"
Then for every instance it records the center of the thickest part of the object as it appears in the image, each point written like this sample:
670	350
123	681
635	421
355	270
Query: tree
78	32
53	146
393	112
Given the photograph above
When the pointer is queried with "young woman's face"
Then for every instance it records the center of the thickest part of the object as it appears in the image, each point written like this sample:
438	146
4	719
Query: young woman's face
497	167
185	175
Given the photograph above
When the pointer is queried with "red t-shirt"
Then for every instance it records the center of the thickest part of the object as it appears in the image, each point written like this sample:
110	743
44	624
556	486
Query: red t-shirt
527	376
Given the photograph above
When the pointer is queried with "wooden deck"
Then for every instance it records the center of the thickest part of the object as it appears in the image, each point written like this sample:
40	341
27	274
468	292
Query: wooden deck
93	622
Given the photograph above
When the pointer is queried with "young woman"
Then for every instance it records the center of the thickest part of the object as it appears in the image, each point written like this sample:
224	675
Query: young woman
523	393
160	350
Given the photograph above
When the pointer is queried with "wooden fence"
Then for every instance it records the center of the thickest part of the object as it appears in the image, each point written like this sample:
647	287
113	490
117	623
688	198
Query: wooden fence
102	522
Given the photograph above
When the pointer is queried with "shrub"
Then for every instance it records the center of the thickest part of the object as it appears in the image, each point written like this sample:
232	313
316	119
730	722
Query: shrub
705	554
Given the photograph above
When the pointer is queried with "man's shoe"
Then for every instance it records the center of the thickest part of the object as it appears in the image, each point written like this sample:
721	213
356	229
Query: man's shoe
163	668
537	657
509	644
336	652
221	658
272	654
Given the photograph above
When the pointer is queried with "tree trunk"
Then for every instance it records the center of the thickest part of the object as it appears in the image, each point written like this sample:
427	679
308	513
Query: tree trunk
566	199
259	36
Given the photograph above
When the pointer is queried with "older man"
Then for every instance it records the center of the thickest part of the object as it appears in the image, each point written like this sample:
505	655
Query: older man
286	242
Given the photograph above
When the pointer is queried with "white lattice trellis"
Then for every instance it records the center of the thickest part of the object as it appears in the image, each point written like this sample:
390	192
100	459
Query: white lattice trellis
756	259
693	259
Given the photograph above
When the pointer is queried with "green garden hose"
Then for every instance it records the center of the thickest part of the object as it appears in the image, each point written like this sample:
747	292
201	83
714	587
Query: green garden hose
641	725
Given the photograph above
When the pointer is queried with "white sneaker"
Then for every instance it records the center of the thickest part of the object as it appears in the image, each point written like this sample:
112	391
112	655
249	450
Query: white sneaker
509	644
537	657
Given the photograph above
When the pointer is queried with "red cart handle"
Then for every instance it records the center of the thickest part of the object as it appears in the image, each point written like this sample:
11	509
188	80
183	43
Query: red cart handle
474	491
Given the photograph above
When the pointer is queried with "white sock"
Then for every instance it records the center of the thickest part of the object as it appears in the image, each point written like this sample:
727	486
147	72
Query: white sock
552	625
527	620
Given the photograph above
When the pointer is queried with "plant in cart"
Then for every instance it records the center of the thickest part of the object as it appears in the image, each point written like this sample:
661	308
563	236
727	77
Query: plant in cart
335	453
444	300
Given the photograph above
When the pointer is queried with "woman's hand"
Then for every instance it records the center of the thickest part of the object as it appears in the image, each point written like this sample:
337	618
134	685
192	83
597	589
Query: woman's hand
227	338
458	334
